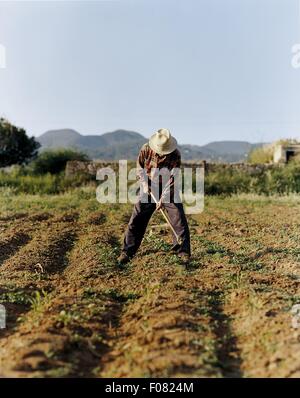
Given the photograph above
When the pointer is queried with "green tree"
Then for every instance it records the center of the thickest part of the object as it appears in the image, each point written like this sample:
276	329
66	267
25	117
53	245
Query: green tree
15	146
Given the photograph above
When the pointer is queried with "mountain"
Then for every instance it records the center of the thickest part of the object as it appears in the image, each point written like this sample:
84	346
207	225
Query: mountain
114	145
230	151
124	144
60	138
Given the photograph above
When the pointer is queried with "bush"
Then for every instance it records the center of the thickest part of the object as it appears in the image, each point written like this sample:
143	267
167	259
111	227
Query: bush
279	180
54	161
40	184
259	183
278	183
291	178
262	154
226	182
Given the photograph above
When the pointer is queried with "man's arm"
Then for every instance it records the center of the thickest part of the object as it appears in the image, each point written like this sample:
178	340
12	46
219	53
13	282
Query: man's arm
140	164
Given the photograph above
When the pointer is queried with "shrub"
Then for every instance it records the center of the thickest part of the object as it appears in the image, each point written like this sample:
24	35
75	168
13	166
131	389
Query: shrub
226	182
291	175
259	183
262	154
40	184
278	183
278	180
54	161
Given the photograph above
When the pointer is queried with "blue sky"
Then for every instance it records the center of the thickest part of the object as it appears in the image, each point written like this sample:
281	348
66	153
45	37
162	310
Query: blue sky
206	69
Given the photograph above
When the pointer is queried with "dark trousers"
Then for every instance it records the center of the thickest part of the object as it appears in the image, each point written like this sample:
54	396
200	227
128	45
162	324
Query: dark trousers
140	217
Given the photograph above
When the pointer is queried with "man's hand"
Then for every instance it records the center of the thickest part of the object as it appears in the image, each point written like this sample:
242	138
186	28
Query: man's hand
145	187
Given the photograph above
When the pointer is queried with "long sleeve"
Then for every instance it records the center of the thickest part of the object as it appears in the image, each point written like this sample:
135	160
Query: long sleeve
140	164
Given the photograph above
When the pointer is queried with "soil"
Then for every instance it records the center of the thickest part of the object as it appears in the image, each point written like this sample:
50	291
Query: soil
73	312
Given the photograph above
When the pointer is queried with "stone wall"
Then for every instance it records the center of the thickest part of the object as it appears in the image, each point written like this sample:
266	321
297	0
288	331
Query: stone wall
75	167
244	167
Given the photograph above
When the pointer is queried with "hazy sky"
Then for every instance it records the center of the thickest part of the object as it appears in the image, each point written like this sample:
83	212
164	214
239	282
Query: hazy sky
206	69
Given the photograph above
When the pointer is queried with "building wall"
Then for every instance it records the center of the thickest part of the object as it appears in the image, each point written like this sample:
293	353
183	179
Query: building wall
279	154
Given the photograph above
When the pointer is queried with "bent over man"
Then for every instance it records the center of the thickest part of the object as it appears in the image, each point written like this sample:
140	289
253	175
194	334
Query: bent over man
160	153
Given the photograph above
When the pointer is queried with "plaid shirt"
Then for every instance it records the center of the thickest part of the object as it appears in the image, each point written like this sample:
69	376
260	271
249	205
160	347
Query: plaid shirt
148	160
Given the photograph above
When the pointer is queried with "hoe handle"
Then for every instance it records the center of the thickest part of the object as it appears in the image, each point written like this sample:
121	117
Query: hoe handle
167	219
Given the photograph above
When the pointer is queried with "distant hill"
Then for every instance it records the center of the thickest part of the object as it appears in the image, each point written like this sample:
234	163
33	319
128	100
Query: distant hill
124	144
115	145
231	151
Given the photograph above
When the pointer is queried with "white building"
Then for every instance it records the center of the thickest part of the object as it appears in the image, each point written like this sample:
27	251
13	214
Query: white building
284	153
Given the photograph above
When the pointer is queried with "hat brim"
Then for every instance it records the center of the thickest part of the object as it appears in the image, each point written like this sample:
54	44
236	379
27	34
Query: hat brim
172	145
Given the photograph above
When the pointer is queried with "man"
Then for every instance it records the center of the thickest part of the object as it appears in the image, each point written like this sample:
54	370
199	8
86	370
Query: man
160	153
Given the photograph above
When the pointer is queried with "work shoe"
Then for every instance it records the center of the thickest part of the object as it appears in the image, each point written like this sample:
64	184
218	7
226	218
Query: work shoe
184	258
123	258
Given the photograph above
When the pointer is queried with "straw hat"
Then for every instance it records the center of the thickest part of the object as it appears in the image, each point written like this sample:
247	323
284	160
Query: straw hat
162	142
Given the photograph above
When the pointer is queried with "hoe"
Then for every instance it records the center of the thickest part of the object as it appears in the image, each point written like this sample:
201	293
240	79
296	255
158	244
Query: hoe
166	217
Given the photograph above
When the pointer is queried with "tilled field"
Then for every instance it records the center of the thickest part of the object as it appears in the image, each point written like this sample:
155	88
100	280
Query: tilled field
72	312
